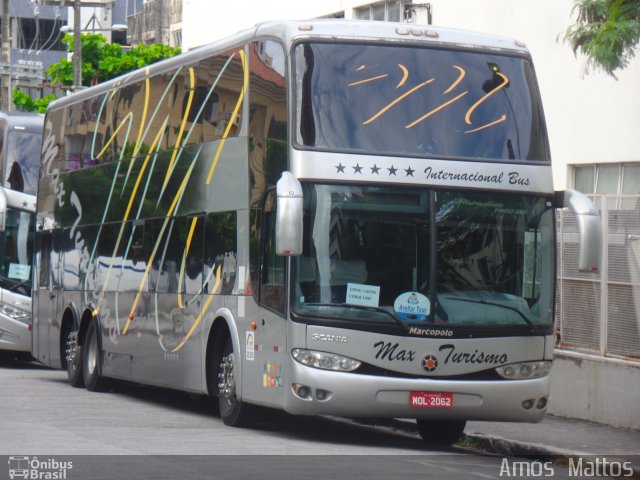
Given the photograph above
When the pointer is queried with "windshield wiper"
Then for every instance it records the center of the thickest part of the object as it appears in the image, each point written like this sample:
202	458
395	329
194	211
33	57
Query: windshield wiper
14	288
361	307
11	284
533	326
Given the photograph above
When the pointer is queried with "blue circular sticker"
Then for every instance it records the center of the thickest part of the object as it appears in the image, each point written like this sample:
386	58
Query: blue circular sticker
412	306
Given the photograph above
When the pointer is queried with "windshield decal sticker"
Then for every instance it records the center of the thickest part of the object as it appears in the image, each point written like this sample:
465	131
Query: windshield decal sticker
436	110
458	80
405	75
505	82
412	306
499	81
367	295
397	100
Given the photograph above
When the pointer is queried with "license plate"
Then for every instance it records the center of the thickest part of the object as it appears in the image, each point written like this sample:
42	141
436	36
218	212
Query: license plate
431	400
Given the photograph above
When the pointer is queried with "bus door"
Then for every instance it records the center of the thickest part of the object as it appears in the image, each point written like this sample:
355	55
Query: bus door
45	297
264	372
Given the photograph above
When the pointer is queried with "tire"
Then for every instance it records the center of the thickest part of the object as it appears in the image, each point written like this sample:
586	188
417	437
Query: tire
441	432
73	355
233	412
93	381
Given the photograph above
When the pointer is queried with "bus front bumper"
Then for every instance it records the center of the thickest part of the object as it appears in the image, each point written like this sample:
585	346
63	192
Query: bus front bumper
355	395
15	335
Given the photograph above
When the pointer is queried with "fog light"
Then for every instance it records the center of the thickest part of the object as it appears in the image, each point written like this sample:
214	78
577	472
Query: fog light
542	403
528	404
322	395
301	391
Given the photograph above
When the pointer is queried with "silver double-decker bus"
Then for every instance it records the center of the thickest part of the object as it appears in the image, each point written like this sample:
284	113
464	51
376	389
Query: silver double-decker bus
325	217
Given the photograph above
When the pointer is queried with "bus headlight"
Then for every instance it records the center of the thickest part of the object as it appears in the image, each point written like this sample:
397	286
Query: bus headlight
324	361
14	313
524	370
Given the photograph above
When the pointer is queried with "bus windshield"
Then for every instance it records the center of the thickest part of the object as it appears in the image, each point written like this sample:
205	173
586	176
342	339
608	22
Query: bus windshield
16	247
416	101
23	155
416	256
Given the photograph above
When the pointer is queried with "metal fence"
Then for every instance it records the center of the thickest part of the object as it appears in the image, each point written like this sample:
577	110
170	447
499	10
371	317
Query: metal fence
600	313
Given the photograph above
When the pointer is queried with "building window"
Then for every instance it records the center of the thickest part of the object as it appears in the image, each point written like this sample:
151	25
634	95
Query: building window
177	38
609	178
390	11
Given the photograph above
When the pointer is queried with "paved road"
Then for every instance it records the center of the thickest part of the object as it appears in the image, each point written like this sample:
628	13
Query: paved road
141	432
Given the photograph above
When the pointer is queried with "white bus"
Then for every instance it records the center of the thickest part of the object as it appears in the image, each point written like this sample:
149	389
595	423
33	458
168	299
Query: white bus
17	225
327	217
20	148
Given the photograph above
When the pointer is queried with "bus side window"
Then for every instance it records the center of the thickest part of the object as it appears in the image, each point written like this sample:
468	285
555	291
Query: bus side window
44	260
220	252
268	115
272	278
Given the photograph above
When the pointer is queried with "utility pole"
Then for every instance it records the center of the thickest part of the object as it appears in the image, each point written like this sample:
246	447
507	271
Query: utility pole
5	90
77	45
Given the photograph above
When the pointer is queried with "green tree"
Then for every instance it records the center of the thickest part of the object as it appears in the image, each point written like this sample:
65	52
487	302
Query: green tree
606	31
25	103
101	61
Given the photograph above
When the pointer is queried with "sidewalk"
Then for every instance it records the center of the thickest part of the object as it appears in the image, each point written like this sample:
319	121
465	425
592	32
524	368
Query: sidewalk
558	436
554	437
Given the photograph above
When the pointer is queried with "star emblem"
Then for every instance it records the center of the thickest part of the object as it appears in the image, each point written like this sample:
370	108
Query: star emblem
429	363
339	168
357	168
409	171
392	171
375	169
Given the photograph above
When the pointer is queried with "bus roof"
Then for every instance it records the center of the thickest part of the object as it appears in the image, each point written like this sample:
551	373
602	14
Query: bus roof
320	29
386	31
18	200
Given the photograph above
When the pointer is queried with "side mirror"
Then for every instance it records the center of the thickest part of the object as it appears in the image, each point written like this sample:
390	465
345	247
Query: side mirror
3	209
289	216
589	229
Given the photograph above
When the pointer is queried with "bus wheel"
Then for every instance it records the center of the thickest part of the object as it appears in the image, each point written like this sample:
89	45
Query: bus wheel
90	358
73	354
232	411
441	432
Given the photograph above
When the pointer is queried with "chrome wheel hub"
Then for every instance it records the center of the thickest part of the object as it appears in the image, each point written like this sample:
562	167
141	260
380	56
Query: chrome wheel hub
226	382
72	347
